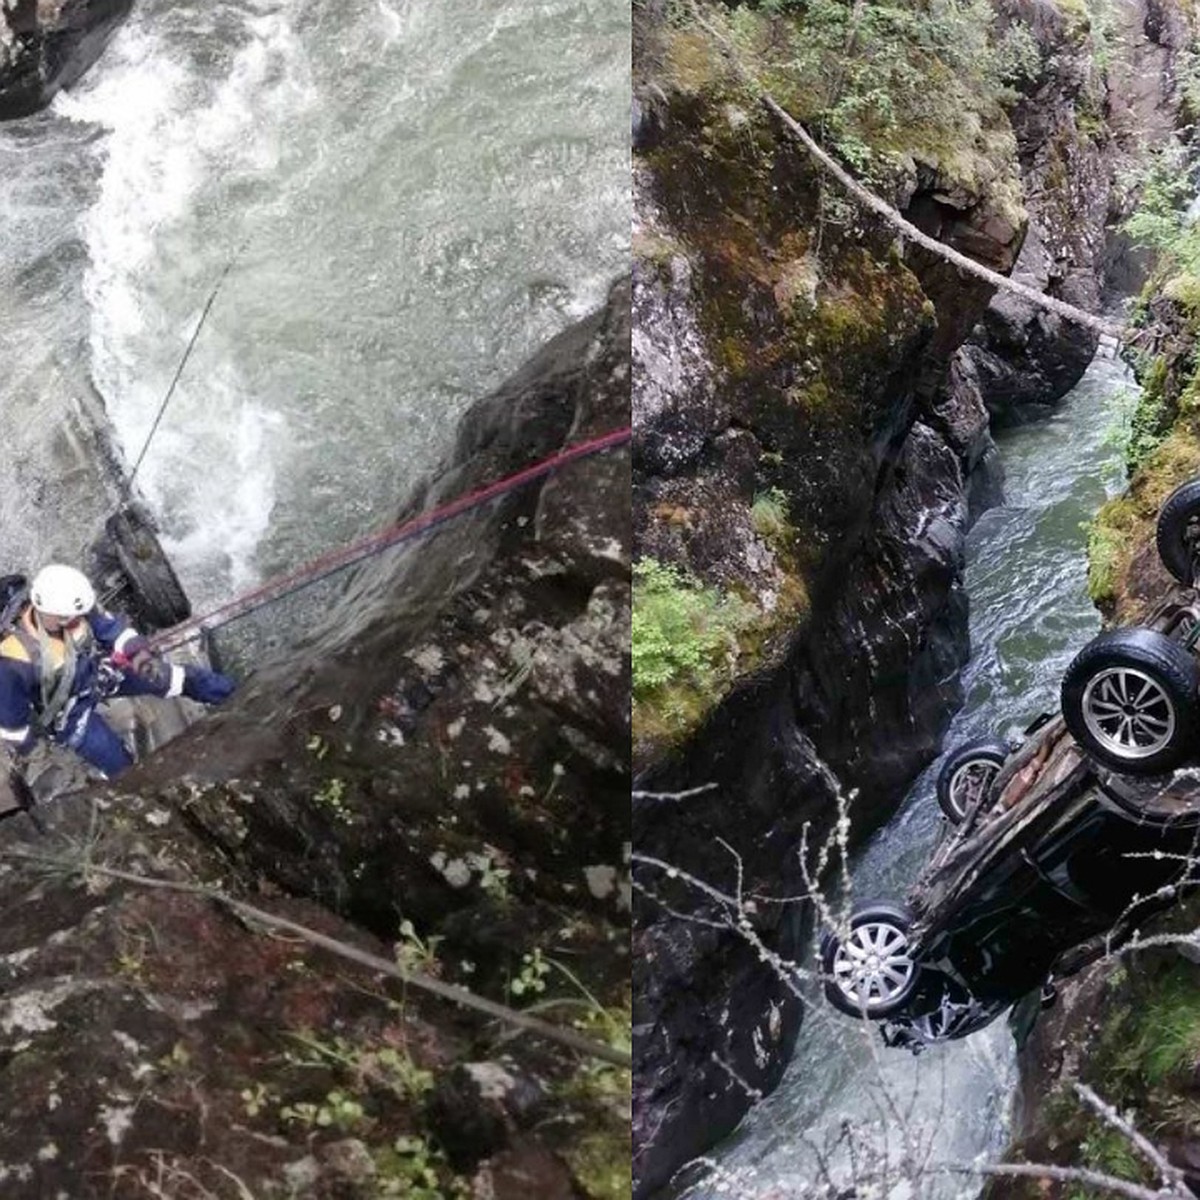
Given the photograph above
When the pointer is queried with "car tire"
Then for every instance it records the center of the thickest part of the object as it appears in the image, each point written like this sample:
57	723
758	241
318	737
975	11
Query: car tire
1178	531
966	775
1130	700
881	930
157	593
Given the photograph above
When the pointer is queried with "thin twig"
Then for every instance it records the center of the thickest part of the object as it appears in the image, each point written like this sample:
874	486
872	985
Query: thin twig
685	795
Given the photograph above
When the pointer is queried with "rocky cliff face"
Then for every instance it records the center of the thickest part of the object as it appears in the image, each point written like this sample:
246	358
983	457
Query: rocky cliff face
777	353
47	45
782	351
1102	94
440	778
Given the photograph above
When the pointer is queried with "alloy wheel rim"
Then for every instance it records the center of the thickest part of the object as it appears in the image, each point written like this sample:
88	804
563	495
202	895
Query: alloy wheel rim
970	782
1128	712
871	966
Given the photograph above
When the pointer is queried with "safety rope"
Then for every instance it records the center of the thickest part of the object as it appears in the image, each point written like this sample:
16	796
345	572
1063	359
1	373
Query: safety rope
340	560
162	408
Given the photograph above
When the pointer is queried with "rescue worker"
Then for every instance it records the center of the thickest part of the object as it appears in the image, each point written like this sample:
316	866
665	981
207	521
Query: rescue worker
64	656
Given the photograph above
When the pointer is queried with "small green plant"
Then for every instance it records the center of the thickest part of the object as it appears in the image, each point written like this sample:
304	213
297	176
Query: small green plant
332	798
414	1169
531	979
682	631
386	1066
769	515
337	1111
258	1099
317	746
493	878
1109	1151
396	1070
415	953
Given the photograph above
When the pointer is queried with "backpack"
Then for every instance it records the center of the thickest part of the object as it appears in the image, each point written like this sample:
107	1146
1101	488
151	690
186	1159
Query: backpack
14	595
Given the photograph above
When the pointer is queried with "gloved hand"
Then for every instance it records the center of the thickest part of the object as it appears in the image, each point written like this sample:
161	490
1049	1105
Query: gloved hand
209	687
138	656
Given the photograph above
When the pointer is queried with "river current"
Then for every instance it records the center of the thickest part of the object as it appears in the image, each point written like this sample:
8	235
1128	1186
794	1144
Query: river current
409	198
1030	614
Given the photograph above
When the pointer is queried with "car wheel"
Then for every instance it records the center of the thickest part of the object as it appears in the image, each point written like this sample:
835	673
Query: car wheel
868	973
1130	700
1178	531
157	594
967	774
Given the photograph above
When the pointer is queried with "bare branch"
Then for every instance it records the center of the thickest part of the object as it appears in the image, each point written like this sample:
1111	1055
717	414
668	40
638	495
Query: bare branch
1096	1179
1169	1173
685	795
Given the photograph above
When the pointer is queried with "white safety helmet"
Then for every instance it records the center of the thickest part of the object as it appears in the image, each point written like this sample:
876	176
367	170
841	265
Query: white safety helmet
62	591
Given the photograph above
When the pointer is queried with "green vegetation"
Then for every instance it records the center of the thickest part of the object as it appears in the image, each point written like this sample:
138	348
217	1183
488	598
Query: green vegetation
1105	555
769	515
1161	222
412	1169
1150	421
1109	1151
1157	1036
683	632
871	74
338	1110
1125	525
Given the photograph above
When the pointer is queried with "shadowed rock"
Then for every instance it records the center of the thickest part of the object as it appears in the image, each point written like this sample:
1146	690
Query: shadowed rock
47	45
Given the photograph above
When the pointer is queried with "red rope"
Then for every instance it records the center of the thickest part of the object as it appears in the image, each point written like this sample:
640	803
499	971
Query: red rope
347	556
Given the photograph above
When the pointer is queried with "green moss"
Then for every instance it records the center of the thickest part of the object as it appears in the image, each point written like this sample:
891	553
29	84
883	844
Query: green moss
1125	526
1106	549
1151	417
602	1165
654	248
1184	290
691	642
813	399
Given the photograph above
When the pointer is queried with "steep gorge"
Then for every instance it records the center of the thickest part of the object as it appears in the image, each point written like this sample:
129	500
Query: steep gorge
787	346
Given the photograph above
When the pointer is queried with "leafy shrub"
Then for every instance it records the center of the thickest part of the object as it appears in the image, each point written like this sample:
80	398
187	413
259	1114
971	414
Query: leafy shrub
873	69
1162	221
682	630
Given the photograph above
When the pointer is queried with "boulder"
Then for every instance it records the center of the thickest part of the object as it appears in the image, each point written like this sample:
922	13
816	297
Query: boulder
47	45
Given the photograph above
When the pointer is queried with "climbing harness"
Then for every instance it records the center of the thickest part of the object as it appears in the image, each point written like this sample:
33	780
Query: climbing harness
340	560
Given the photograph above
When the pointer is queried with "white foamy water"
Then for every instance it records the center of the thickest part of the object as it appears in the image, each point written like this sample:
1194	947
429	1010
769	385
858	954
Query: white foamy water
413	196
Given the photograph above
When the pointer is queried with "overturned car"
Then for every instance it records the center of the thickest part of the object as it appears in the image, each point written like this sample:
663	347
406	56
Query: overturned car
1057	847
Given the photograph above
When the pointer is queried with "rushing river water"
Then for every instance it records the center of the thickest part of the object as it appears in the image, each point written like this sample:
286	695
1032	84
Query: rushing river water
413	195
1029	615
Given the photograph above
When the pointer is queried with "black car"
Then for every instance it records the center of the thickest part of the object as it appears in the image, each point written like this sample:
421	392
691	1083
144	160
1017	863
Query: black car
1058	846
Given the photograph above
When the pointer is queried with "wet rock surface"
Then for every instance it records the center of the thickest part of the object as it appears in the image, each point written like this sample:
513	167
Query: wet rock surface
761	365
858	378
441	779
47	45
